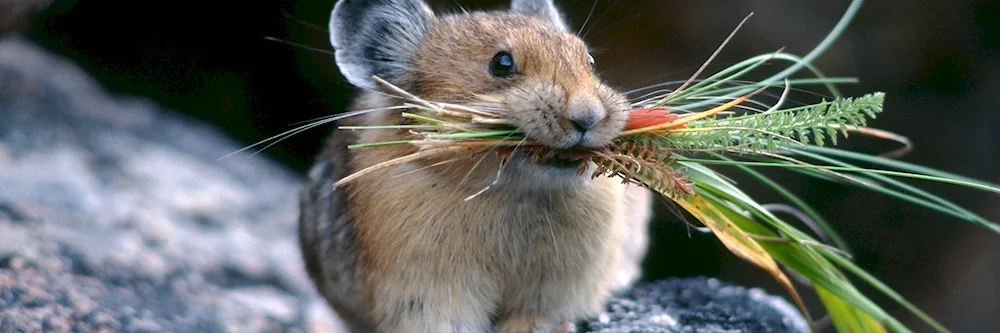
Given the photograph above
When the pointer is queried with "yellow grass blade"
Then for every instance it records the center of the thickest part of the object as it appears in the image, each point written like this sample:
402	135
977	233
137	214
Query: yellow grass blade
736	240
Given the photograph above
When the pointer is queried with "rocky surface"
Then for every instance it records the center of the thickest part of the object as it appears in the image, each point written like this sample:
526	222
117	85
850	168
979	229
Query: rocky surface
696	305
117	216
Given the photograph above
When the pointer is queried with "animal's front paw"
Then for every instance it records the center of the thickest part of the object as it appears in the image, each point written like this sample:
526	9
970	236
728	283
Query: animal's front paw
524	325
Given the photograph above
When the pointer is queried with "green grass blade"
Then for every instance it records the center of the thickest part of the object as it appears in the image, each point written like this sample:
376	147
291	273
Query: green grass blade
932	202
891	163
756	85
804	62
780	129
874	282
378	144
472	135
708	86
801	204
958	210
802	259
717	79
975	185
382	127
845	317
717	187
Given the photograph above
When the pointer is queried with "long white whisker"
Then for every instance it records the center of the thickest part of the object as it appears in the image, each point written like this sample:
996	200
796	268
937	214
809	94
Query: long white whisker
503	164
599	19
495	181
286	134
712	57
305	23
476	165
584	25
307	47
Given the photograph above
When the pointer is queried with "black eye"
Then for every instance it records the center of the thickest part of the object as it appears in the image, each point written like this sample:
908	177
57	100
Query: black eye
590	60
503	65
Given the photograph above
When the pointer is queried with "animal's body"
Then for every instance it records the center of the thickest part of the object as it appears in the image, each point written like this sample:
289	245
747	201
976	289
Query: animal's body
545	245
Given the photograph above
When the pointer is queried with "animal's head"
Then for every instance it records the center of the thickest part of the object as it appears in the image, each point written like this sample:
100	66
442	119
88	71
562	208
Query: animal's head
523	62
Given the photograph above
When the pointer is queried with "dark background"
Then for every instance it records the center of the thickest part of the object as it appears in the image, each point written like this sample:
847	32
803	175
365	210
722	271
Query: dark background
938	61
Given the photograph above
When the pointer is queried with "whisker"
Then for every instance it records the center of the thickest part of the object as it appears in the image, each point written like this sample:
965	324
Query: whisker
728	98
733	82
591	14
464	11
289	133
427	167
399	107
599	18
310	25
712	57
307	47
474	166
447	76
655	86
503	164
674	73
555	245
491	148
488	187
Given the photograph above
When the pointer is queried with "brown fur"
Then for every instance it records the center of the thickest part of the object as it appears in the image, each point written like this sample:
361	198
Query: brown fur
546	245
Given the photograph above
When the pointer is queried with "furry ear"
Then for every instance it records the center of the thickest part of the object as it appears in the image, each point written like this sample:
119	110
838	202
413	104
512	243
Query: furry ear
543	9
378	37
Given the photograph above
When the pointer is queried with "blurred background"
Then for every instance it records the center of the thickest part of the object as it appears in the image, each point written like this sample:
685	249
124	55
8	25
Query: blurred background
938	62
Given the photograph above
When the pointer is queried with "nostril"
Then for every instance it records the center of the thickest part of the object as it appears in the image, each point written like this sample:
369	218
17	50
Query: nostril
585	111
584	123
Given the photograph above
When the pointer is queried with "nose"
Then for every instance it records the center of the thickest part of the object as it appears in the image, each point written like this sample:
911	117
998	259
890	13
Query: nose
585	111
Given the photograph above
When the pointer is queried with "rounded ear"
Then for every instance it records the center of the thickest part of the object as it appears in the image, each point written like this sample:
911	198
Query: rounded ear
543	9
378	37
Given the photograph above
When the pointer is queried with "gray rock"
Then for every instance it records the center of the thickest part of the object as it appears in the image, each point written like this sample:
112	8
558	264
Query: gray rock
117	216
696	305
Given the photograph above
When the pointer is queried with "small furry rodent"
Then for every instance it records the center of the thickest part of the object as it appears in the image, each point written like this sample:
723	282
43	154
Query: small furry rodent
544	246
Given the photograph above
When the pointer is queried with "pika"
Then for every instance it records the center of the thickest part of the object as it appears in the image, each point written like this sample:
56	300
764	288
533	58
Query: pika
545	246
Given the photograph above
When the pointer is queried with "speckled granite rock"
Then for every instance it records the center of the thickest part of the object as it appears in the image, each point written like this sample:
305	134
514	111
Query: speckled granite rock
697	305
115	216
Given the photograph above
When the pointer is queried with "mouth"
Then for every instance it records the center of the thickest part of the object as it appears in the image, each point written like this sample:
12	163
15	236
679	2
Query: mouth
563	158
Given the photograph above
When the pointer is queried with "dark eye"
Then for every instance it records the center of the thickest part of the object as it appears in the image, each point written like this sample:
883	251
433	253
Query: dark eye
590	60
503	65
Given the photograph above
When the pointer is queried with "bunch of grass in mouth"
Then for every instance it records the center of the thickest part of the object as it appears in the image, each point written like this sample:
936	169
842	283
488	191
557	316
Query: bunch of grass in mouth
674	135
